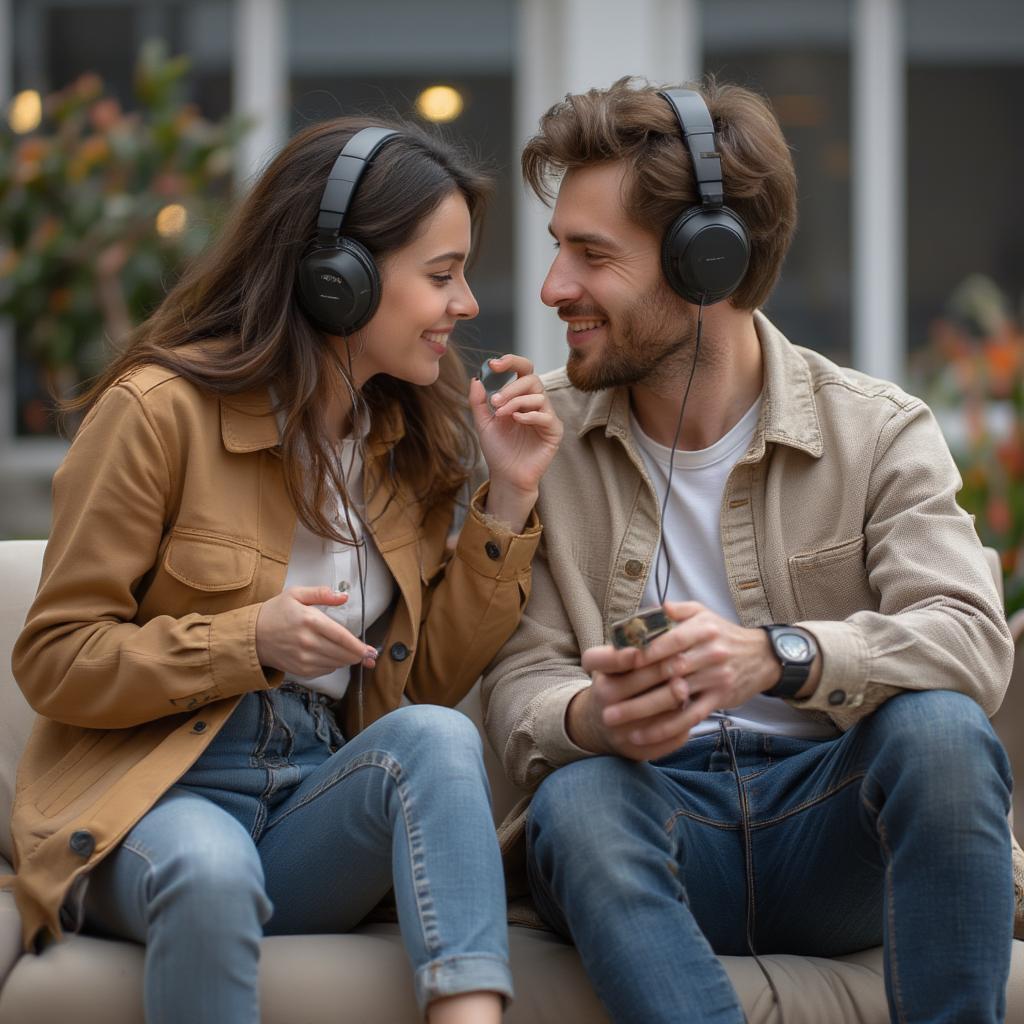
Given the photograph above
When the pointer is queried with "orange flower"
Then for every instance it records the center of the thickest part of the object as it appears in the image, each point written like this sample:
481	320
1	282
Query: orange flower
46	231
94	148
26	173
168	184
1002	358
188	115
974	421
105	114
88	86
1011	454
998	514
93	151
32	150
60	299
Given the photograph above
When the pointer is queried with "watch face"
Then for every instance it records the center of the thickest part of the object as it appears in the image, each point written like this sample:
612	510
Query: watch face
792	647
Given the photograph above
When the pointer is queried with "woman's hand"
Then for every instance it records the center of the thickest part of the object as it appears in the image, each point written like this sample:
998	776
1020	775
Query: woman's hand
519	435
296	637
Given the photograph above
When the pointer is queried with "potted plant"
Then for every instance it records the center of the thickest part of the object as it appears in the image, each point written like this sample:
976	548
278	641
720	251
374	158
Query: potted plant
99	210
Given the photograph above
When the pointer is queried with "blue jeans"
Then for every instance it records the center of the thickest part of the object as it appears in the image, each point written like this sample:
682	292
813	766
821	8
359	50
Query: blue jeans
281	827
893	833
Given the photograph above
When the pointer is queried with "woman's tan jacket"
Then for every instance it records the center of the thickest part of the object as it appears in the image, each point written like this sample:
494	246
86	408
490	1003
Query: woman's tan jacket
171	525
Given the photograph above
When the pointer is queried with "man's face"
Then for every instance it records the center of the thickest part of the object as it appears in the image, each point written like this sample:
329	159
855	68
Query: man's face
606	283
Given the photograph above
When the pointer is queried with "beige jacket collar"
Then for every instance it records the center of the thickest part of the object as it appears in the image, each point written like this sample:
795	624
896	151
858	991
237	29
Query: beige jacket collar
788	413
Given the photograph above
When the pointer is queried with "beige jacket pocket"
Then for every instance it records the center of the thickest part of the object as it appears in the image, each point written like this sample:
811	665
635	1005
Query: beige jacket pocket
832	583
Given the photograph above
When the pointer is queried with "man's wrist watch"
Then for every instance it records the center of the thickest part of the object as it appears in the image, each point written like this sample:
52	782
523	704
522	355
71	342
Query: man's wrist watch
796	650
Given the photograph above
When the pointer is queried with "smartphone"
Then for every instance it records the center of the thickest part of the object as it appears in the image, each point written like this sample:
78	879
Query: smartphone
640	629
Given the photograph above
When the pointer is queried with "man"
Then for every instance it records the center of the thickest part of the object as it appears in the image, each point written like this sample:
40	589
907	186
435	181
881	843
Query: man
851	792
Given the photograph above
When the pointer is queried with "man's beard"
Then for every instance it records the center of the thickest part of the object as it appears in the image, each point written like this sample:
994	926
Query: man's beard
649	333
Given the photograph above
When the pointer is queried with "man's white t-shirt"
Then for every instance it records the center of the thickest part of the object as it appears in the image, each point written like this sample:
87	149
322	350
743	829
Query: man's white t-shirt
692	529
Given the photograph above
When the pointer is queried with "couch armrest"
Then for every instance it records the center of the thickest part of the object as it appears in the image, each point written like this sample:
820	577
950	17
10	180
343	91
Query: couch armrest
10	928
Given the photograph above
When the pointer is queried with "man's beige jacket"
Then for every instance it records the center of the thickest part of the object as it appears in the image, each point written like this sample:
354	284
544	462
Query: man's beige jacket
841	517
171	526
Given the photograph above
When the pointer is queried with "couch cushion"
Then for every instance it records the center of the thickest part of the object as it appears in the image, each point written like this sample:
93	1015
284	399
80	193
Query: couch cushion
364	978
10	928
20	565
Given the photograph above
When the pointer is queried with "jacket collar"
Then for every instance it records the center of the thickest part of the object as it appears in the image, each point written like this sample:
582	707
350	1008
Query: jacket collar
248	424
788	413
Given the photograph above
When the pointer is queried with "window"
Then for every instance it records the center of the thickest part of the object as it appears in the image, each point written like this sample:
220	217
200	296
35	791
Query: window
796	53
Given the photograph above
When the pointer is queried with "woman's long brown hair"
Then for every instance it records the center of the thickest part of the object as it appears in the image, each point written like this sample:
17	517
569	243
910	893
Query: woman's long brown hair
241	293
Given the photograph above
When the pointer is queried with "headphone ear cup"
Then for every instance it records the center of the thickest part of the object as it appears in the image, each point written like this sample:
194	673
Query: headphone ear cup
705	254
339	287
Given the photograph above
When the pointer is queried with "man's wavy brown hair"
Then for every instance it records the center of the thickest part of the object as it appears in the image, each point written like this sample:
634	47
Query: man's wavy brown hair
241	293
629	121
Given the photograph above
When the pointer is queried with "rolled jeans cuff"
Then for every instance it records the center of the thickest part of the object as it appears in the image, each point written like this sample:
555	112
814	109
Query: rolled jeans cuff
468	972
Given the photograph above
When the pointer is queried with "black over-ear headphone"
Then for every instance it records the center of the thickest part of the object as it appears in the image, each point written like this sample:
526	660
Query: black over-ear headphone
339	284
706	249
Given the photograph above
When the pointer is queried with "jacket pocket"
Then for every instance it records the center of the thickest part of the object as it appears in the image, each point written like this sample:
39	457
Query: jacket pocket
832	583
210	564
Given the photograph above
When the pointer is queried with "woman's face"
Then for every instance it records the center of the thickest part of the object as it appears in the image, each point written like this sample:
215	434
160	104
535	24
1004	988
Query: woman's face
423	293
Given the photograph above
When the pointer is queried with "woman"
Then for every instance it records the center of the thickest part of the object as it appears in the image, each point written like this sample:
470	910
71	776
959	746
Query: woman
250	531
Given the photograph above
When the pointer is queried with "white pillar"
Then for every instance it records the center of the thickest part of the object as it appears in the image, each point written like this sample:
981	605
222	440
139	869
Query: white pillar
571	46
6	52
260	81
6	333
879	194
538	85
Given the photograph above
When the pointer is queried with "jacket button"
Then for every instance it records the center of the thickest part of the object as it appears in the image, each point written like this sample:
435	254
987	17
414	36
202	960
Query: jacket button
399	652
837	697
199	727
634	568
82	843
493	551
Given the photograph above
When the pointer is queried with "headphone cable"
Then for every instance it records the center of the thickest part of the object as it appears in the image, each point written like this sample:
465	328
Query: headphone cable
360	409
663	555
748	866
664	558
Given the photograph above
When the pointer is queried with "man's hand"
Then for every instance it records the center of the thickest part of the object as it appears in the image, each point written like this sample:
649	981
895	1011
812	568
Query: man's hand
628	694
643	703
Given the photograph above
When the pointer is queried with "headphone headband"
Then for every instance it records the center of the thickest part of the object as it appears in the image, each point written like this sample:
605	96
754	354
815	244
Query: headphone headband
706	249
338	281
699	135
341	184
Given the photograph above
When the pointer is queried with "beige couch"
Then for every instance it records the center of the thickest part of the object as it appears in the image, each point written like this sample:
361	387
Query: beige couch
362	978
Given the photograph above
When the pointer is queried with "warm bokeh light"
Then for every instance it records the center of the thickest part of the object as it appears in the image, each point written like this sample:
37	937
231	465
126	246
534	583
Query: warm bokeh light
25	112
439	103
172	220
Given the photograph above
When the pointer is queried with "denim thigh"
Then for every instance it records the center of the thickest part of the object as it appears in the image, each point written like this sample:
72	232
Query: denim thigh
816	859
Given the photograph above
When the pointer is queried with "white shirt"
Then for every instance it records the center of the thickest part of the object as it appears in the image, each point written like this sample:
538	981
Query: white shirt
693	542
317	561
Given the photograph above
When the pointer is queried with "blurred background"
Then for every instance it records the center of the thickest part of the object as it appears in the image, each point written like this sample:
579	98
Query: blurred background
129	126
